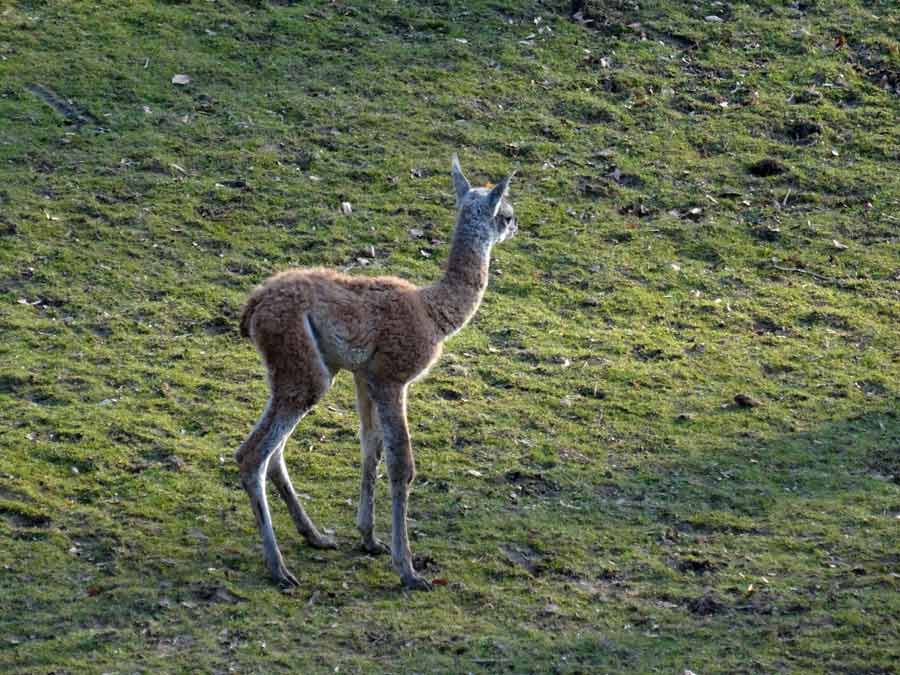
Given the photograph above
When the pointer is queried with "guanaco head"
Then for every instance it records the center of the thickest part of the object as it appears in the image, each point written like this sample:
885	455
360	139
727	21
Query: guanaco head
484	211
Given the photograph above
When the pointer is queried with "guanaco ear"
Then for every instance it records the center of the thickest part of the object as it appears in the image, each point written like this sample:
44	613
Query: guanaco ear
497	194
460	182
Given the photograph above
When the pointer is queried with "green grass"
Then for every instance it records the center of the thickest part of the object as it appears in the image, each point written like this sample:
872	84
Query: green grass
587	486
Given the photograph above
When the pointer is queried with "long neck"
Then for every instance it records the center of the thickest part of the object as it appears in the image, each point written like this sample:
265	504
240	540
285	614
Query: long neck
454	299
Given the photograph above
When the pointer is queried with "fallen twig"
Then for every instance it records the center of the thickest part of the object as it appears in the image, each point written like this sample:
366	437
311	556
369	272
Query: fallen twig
814	275
60	105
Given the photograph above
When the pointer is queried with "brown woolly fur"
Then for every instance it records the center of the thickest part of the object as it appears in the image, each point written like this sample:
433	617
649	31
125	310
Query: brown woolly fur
378	326
308	324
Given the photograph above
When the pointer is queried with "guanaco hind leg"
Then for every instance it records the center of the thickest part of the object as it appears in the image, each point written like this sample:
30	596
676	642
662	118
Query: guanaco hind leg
298	378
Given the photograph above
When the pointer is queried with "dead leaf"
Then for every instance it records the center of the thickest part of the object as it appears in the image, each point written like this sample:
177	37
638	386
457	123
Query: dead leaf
746	401
524	556
220	594
198	535
767	233
579	17
440	581
458	370
237	184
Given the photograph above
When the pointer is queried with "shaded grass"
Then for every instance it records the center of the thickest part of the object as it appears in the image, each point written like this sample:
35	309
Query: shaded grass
628	515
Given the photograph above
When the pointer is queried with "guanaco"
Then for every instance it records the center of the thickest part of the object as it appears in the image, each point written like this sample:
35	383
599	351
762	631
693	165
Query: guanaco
308	324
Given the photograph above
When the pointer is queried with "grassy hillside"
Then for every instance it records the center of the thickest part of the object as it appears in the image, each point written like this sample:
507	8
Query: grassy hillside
670	439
